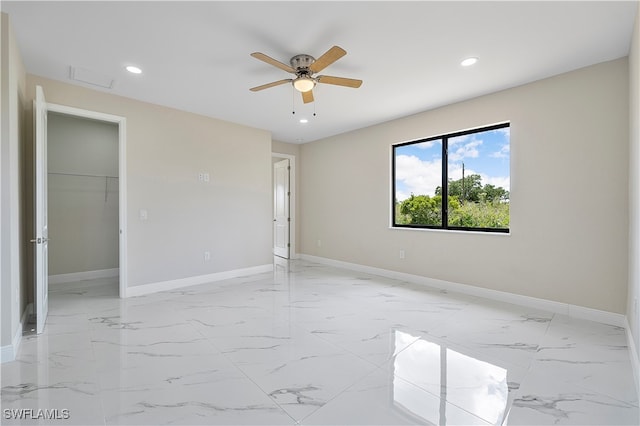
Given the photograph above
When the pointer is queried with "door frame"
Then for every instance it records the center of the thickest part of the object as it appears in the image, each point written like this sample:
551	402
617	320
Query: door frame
122	179
41	211
281	207
293	253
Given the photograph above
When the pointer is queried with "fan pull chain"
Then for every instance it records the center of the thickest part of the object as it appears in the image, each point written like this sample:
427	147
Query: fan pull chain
293	101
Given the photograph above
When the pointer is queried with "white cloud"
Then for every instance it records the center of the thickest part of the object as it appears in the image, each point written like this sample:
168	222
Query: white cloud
419	176
497	181
401	195
460	139
503	153
468	150
428	144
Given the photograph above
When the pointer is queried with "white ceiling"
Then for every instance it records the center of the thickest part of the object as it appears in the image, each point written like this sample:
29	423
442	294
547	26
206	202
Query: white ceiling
195	55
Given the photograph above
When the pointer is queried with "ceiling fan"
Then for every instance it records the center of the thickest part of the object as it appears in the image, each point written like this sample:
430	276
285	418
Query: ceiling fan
304	67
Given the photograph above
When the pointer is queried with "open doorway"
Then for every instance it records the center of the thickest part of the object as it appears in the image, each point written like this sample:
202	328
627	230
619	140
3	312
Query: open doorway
284	202
83	203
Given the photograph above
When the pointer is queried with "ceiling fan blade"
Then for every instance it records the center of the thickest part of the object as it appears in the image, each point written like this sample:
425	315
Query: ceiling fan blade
307	96
340	81
275	83
269	60
329	57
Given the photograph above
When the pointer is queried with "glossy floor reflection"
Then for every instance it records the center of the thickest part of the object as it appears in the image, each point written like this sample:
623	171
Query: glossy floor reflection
312	344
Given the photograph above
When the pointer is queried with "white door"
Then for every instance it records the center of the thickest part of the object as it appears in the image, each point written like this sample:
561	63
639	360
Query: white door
41	228
281	219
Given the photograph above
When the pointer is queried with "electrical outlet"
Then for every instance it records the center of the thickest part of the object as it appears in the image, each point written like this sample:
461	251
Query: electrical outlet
319	243
207	178
401	253
207	256
201	177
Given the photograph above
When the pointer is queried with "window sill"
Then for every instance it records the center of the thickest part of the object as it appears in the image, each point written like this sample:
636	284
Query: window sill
451	231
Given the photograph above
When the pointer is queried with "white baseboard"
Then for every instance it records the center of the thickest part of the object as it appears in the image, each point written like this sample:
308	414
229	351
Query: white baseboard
82	276
200	279
516	299
8	353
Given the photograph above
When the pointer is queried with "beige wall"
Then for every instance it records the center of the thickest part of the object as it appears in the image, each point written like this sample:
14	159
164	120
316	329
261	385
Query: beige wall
83	194
285	148
166	150
12	238
634	184
569	188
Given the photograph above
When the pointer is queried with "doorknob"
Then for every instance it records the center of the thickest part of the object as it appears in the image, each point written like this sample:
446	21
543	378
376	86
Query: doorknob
39	240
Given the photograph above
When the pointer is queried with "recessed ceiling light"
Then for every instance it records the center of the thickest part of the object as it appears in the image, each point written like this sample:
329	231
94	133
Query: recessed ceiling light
304	121
133	70
469	61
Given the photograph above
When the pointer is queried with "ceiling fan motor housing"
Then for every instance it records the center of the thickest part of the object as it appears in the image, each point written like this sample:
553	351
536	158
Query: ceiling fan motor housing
301	63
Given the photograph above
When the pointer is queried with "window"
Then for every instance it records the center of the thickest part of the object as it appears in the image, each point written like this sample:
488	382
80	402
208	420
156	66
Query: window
470	167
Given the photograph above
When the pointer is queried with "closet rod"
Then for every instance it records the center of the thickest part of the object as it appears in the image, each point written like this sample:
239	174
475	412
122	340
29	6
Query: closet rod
78	174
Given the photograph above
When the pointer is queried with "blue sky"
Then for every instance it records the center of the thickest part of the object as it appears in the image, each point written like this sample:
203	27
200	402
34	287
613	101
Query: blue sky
418	166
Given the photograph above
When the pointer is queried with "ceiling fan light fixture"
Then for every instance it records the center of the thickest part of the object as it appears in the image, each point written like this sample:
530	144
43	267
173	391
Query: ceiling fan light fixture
304	84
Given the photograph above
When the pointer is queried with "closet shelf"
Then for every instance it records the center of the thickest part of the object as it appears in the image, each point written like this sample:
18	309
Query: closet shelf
83	175
105	177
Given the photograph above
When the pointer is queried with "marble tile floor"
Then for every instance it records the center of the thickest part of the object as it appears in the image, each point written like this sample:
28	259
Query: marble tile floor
313	345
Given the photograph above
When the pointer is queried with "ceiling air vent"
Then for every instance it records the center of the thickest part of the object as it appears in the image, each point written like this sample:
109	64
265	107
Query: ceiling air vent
90	77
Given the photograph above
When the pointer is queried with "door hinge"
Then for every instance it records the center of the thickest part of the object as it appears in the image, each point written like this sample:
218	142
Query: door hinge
288	219
288	167
289	194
